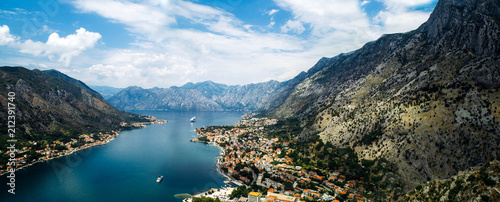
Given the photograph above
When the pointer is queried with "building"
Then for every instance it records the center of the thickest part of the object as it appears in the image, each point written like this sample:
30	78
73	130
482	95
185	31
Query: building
254	197
272	197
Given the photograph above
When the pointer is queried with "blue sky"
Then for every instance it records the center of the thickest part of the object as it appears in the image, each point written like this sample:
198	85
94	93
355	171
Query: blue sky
162	43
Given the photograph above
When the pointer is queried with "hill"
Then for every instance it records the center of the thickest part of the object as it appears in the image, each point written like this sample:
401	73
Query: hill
50	106
474	184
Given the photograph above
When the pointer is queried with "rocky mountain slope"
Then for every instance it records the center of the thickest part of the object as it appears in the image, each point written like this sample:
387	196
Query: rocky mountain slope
427	100
474	184
204	96
51	106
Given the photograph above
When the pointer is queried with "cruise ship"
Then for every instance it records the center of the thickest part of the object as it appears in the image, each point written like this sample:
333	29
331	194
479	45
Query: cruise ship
160	178
193	119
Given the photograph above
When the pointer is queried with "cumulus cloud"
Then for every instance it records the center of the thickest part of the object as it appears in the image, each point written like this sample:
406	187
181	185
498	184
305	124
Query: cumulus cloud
399	17
63	47
5	37
396	22
221	52
225	49
326	16
406	3
293	26
142	18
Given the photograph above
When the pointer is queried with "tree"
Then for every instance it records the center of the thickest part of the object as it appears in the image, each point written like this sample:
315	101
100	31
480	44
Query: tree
239	192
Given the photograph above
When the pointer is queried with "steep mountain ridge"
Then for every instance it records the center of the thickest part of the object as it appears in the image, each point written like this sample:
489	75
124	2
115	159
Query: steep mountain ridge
426	100
203	96
52	105
474	184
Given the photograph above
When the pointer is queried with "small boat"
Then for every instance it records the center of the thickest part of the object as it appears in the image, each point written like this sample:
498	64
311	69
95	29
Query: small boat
160	178
193	119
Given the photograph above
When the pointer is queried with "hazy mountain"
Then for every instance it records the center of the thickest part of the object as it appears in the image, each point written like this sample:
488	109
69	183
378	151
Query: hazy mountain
427	100
106	91
204	96
50	105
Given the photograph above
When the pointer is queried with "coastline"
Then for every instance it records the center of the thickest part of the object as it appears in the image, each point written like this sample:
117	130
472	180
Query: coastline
56	157
218	160
113	135
220	193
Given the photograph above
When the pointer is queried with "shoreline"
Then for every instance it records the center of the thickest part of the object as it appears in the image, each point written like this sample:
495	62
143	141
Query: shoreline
117	133
221	193
217	161
52	158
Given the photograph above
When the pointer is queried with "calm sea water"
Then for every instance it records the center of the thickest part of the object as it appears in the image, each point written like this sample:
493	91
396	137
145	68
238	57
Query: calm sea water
126	169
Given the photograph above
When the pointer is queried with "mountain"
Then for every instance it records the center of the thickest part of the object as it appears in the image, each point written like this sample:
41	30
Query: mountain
203	96
50	105
427	100
474	184
106	91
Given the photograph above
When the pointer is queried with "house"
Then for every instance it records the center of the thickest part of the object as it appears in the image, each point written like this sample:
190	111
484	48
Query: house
254	197
272	197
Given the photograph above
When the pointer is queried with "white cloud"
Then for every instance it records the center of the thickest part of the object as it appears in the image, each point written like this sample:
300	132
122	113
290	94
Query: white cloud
326	16
226	49
63	47
229	51
406	3
5	37
399	17
141	18
293	26
364	2
396	22
273	11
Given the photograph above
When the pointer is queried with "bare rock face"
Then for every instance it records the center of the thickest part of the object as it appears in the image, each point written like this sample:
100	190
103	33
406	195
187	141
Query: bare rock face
432	94
474	184
468	24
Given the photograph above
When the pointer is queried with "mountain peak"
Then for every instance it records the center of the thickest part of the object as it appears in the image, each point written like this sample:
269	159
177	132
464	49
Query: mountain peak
471	25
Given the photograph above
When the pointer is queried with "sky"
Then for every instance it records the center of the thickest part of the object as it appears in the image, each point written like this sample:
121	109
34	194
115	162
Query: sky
163	43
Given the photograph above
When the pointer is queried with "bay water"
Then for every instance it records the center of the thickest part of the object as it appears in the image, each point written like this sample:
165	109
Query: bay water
126	169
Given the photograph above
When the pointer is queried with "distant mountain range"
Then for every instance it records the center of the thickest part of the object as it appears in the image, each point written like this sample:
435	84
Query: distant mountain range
427	100
106	91
204	96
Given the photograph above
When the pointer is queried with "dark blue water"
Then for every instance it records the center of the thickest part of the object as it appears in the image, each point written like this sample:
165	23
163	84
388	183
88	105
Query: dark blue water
126	169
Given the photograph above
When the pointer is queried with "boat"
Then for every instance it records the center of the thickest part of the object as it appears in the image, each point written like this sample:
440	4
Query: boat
160	178
193	119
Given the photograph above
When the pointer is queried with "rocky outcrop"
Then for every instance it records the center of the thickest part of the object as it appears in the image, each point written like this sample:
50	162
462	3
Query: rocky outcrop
432	94
474	184
204	96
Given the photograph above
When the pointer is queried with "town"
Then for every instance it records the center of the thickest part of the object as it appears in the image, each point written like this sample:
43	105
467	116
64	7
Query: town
251	159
